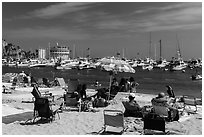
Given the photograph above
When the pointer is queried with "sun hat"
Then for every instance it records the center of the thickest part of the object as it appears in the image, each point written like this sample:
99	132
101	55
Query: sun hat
161	95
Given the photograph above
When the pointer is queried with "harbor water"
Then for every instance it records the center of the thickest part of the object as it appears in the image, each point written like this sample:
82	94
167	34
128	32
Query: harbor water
151	82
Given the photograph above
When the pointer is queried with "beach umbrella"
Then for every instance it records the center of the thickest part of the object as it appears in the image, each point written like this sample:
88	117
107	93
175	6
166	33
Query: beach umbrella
115	64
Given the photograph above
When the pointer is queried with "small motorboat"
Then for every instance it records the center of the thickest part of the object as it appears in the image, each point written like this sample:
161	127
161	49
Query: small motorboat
196	77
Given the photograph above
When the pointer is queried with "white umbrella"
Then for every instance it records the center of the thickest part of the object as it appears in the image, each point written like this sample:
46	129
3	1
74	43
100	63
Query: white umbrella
112	64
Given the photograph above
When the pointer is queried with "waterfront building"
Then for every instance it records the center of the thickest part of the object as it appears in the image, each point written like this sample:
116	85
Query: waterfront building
41	53
59	52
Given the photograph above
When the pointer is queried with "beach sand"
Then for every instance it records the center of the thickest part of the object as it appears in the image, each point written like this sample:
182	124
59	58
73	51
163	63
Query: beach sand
83	123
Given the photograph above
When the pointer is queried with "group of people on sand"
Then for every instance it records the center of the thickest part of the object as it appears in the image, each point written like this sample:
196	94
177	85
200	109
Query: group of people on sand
132	108
127	85
87	103
104	95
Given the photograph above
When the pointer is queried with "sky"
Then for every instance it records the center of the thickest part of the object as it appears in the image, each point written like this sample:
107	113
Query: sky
106	27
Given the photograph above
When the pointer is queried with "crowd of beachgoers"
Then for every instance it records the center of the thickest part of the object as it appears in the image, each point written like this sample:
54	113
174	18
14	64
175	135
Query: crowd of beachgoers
81	110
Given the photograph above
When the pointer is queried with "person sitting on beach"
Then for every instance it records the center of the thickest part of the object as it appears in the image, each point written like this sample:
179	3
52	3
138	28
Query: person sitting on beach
114	87
96	84
100	102
132	108
123	85
114	82
33	81
162	100
81	89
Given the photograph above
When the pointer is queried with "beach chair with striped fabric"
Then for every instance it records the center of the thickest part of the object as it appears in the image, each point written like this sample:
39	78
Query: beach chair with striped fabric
113	121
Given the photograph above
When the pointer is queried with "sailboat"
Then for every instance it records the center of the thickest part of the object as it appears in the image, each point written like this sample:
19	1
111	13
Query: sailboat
162	62
178	64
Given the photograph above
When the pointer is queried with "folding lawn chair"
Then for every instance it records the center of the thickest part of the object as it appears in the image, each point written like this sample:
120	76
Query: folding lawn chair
162	111
43	109
71	103
61	83
36	93
156	120
113	121
153	121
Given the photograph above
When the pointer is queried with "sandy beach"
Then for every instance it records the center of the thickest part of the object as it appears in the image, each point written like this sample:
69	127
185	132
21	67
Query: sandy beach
15	112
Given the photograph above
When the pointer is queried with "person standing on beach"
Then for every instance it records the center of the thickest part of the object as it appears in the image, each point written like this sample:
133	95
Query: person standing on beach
82	91
133	85
170	92
123	85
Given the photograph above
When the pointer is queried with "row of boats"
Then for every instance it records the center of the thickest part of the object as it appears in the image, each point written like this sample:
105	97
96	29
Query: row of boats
107	63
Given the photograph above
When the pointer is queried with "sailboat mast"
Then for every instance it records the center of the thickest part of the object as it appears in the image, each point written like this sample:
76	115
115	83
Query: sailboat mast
160	50
73	52
155	51
123	53
49	50
179	50
150	44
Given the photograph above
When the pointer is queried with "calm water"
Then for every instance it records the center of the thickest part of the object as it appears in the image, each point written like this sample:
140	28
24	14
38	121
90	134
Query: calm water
150	81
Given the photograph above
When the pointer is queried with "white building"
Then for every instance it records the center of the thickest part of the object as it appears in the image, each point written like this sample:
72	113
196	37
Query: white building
41	53
59	52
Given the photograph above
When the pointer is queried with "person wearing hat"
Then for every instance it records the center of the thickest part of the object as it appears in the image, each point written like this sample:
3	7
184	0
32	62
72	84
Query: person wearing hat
132	108
162	100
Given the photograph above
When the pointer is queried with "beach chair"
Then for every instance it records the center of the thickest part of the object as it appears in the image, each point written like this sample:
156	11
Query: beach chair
43	109
131	111
61	83
72	85
162	111
156	119
113	121
72	103
36	93
189	102
153	121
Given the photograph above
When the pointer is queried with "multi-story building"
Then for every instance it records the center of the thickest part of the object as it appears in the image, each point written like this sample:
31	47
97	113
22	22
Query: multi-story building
41	53
59	52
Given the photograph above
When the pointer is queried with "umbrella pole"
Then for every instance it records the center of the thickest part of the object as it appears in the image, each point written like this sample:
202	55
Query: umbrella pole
110	87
